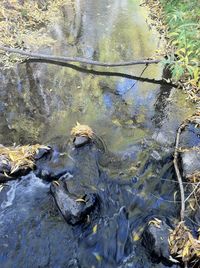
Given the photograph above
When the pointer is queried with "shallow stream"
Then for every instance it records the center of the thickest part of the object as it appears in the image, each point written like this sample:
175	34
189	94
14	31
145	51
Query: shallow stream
136	117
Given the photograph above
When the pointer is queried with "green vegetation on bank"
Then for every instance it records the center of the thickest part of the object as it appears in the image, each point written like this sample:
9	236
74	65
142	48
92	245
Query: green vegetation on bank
182	18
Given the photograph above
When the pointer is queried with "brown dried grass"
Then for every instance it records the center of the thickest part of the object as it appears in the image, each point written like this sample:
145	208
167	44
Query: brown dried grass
183	245
20	157
82	130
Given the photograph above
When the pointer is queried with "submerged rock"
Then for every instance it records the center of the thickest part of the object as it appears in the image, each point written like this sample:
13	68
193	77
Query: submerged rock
109	242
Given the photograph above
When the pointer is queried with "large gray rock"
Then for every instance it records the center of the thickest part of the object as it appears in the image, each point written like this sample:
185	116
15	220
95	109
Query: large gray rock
190	162
190	158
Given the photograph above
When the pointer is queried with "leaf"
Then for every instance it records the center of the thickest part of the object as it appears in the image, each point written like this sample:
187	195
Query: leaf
56	182
80	200
135	236
94	229
155	222
1	187
97	256
173	260
185	252
7	175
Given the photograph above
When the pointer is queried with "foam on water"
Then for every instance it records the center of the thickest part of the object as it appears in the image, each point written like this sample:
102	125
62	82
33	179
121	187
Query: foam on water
10	195
28	184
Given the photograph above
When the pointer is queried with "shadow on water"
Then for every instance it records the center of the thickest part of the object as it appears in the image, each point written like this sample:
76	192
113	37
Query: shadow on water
40	103
107	73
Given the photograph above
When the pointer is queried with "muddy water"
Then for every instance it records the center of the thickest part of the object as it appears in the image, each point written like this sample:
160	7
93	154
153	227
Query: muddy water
41	102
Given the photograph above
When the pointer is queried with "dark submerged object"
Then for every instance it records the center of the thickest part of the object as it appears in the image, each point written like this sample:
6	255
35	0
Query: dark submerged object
74	194
155	240
108	252
73	209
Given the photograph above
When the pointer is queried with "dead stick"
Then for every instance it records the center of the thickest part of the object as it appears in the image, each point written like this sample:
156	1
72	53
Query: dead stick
79	60
178	174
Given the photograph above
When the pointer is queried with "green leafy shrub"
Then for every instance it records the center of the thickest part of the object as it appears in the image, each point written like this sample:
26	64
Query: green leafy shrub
183	20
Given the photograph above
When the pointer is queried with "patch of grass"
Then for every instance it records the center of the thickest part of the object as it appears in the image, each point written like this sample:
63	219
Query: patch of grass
24	24
182	18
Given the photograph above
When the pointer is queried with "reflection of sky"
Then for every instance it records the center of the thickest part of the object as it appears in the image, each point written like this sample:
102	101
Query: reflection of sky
131	89
89	52
108	100
126	85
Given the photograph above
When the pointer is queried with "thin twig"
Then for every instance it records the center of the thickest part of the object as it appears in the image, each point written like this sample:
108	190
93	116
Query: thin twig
79	60
139	76
187	183
169	201
178	174
192	191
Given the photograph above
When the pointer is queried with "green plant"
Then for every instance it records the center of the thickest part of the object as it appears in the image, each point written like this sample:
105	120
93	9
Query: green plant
182	18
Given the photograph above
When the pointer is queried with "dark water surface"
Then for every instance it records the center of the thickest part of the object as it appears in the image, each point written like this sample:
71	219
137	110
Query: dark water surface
41	102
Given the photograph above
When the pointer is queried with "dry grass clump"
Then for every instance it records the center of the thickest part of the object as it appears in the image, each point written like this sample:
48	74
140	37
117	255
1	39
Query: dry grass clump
183	245
82	130
19	157
194	178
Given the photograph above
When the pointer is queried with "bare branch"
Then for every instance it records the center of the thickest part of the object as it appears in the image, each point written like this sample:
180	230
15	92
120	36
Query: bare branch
178	174
79	60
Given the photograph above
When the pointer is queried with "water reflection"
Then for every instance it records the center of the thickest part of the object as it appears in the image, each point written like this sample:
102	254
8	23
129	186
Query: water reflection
50	99
40	102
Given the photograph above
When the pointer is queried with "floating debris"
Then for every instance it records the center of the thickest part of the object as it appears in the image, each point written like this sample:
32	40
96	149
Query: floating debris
156	222
1	187
19	157
80	200
82	130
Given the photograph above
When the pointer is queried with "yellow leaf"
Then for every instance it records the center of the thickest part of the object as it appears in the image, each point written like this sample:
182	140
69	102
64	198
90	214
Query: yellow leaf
185	250
94	229
97	256
156	222
135	237
56	182
80	200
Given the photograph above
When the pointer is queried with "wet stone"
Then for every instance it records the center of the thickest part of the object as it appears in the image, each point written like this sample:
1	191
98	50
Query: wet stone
75	210
190	162
4	165
155	240
42	152
190	136
80	141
